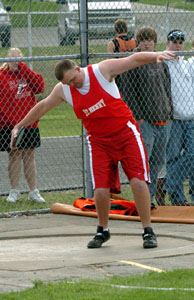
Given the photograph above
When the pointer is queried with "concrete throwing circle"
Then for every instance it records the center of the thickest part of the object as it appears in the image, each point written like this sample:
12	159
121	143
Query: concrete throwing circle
54	251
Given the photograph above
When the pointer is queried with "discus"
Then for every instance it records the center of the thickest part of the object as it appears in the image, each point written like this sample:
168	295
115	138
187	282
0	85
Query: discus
18	138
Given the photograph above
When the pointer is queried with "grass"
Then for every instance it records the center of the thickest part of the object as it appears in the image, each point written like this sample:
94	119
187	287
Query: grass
88	289
181	4
33	5
65	197
60	121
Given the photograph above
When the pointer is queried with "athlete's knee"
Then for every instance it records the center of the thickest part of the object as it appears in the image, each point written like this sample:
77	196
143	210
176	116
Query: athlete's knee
102	193
138	185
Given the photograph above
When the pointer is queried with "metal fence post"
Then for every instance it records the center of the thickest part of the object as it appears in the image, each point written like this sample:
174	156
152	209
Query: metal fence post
84	61
30	37
167	20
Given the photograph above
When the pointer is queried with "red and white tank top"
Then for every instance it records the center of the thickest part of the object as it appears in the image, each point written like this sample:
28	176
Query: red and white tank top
102	114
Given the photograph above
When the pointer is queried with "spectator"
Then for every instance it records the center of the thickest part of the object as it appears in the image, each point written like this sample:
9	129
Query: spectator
161	193
113	134
146	90
18	86
122	43
180	148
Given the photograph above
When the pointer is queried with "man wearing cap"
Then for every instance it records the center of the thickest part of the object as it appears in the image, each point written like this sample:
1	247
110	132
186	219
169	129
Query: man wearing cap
180	148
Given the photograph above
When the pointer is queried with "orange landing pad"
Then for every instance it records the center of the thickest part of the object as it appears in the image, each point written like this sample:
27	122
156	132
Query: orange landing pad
162	214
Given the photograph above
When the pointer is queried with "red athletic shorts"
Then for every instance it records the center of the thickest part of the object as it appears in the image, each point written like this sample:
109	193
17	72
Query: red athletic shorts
127	147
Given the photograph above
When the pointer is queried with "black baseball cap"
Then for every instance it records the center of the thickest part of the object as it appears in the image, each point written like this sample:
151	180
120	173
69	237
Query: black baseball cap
175	34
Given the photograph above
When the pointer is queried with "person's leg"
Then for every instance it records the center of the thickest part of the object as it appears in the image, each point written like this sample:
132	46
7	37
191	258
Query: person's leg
160	192
147	131
148	135
30	170
102	202
173	184
142	200
186	163
191	187
105	179
183	164
188	155
14	169
158	156
134	162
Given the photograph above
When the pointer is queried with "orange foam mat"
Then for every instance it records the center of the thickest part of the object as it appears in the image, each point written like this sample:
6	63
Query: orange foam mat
162	214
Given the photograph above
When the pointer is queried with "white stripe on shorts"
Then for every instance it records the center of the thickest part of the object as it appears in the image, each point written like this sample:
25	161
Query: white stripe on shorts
91	166
141	148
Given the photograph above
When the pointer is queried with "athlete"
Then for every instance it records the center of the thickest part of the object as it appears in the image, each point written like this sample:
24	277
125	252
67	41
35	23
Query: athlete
113	134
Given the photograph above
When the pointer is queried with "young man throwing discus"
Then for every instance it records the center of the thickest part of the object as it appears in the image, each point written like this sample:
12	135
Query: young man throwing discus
113	134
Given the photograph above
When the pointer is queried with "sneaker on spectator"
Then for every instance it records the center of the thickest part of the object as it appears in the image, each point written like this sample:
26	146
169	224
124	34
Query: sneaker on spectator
100	238
35	196
149	238
13	196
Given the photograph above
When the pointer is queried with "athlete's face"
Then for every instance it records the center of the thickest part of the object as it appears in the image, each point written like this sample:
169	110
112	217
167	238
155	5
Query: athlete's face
146	45
74	78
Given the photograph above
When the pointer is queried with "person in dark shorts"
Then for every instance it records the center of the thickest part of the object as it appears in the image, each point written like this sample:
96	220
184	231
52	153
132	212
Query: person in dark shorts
18	87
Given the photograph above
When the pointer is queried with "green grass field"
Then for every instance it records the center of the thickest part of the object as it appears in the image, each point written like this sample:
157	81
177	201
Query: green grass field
175	285
181	4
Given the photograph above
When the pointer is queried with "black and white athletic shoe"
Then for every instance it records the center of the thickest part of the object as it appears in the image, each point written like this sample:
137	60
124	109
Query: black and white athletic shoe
100	238
149	238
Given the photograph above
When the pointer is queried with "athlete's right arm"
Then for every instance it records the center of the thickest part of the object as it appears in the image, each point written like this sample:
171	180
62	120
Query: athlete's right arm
55	98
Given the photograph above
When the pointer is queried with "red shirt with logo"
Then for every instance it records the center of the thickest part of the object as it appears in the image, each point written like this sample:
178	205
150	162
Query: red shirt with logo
102	114
17	94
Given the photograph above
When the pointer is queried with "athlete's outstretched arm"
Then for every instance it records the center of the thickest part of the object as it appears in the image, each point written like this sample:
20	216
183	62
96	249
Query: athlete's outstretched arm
112	67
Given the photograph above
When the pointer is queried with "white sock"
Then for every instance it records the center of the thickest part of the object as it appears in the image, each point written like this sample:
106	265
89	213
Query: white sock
105	229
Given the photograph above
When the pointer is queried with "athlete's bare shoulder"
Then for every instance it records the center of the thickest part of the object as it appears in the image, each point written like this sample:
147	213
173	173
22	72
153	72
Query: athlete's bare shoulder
57	92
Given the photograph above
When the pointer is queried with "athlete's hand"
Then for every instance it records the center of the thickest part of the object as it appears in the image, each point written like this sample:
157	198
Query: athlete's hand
165	55
14	134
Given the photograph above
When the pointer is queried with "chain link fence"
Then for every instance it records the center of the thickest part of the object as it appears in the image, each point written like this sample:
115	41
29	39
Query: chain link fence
46	31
